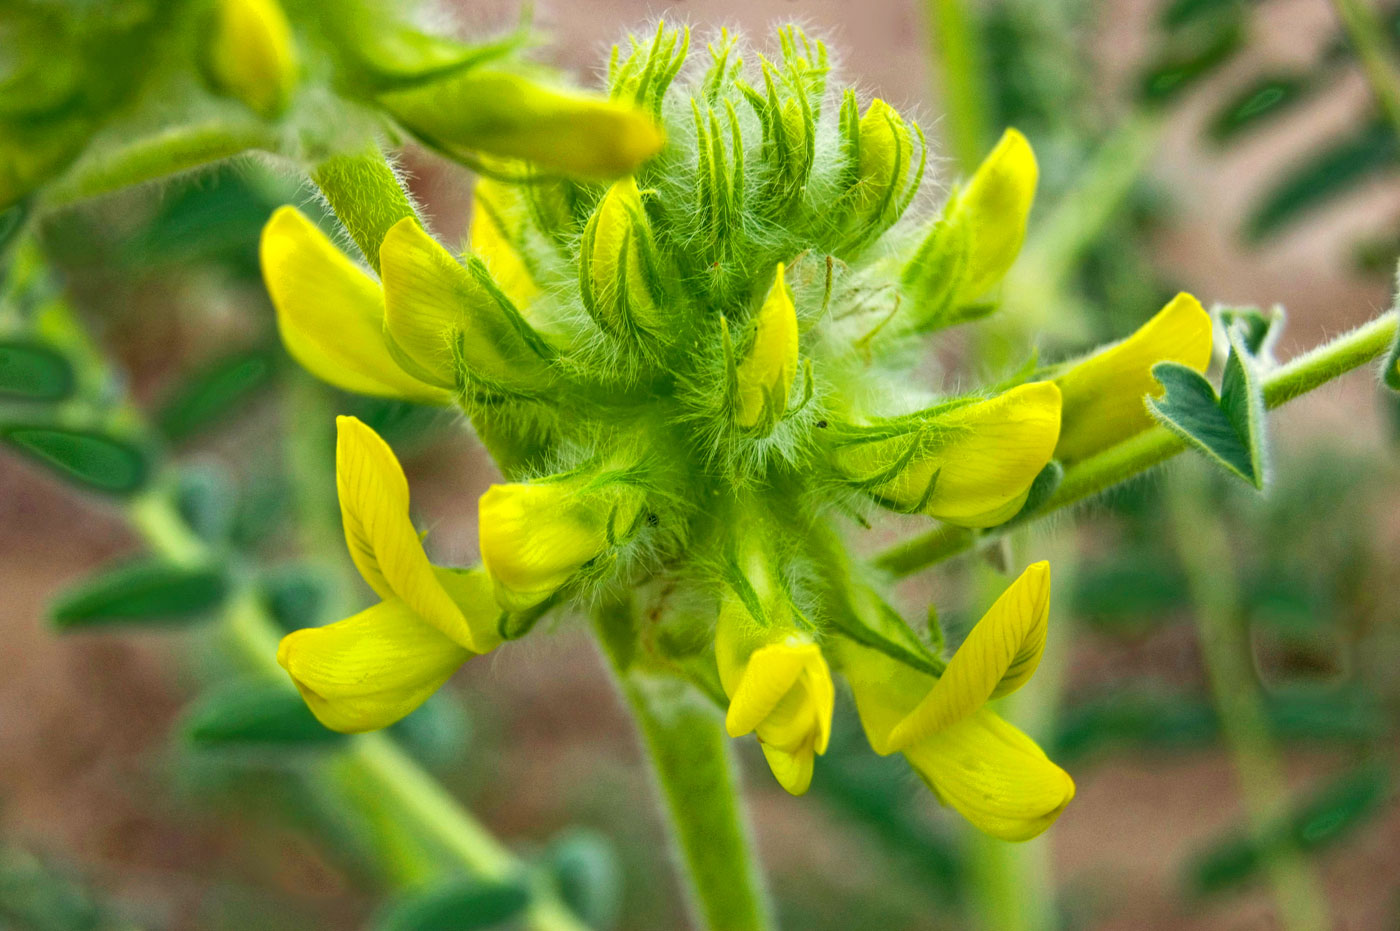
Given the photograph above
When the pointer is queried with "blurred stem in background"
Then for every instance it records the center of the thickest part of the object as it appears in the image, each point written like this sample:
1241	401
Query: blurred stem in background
1368	35
1203	546
960	65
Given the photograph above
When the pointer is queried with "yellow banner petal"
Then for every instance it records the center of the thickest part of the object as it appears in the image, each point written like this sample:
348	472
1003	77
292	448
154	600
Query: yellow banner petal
996	204
994	776
1104	394
998	657
765	375
380	534
371	669
252	55
330	313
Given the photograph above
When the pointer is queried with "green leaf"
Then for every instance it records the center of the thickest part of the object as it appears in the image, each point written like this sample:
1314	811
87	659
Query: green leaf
255	712
295	596
459	905
205	499
33	372
1227	428
153	590
1192	54
589	878
1256	105
213	393
96	460
1324	176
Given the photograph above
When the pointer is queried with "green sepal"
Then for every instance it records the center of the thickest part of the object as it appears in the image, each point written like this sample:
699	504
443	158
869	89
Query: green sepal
646	73
255	712
1390	374
1046	482
93	459
587	875
213	393
1229	428
461	904
142	592
31	371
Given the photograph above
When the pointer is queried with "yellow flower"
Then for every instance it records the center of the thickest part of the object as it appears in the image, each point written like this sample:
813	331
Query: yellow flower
988	771
970	464
883	164
536	536
503	114
498	222
979	235
997	658
766	373
1104	394
331	314
252	55
449	323
616	276
369	670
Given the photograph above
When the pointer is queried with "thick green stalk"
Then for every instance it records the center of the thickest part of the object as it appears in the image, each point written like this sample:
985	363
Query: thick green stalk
1156	445
1204	550
1371	40
372	770
689	751
366	196
952	32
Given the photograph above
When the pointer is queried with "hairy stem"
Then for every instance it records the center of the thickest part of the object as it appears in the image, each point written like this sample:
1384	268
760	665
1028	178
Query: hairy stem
1204	550
366	196
1136	455
688	748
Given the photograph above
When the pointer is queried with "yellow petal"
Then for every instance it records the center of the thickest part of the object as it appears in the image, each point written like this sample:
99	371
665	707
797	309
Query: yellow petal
511	116
995	206
998	657
379	532
766	373
496	229
534	537
613	276
371	669
793	770
990	772
330	313
252	55
885	161
994	776
1104	394
972	466
769	674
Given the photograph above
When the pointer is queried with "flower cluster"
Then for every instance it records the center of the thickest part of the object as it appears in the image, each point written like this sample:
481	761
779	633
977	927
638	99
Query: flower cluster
696	380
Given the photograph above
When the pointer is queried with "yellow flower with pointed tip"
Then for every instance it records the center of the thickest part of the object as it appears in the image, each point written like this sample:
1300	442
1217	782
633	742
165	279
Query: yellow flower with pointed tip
251	54
498	222
979	235
1104	395
536	536
984	768
765	375
369	670
971	465
448	323
507	115
615	276
331	314
997	658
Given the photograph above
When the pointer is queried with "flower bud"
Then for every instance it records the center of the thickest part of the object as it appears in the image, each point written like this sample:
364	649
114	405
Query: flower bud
507	115
886	175
777	680
617	269
1104	395
499	219
764	377
331	314
251	54
452	324
535	537
973	245
990	772
970	464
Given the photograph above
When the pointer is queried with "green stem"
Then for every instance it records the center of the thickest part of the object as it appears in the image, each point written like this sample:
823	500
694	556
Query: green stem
366	196
689	753
1371	40
957	55
1153	446
1204	550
